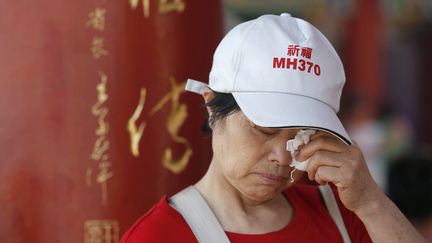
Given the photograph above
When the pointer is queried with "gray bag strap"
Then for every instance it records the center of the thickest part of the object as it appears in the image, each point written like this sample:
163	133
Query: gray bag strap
333	209
202	221
207	229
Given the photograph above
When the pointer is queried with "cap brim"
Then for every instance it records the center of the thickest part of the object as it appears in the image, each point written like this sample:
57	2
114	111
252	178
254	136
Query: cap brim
290	111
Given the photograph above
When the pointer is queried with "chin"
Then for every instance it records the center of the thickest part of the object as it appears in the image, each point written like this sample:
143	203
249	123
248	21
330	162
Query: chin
263	192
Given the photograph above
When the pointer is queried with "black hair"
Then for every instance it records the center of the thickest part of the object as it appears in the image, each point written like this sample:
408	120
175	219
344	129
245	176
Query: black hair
222	105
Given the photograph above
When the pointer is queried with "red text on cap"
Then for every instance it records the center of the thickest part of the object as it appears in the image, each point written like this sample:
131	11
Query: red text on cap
295	63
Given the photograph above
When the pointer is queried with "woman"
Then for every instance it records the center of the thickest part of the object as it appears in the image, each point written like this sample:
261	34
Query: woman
272	77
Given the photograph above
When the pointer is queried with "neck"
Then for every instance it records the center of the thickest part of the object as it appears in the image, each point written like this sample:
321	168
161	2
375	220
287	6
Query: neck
239	214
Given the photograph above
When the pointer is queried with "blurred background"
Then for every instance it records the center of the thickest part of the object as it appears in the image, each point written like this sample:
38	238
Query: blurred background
95	125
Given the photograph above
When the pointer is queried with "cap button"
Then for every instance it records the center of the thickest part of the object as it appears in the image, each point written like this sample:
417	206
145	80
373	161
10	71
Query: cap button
285	15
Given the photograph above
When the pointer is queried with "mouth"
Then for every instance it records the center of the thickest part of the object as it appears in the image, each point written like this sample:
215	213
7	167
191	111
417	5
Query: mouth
271	178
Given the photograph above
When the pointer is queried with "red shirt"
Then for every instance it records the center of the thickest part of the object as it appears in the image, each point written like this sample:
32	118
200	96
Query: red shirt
310	223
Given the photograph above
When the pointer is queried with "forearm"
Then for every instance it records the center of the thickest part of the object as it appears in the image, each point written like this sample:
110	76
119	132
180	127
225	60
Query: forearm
386	223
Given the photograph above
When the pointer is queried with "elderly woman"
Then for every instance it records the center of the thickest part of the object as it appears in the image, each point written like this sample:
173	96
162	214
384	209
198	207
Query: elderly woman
272	98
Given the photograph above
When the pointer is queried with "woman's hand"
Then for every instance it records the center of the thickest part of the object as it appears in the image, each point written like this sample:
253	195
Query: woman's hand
331	160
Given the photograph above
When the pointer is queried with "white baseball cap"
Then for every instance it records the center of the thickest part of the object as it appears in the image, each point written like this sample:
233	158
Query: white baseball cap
282	72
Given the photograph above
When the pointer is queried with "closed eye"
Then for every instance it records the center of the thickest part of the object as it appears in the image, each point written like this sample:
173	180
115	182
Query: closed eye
268	131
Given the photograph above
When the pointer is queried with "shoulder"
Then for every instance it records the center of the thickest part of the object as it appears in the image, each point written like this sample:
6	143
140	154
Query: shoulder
161	223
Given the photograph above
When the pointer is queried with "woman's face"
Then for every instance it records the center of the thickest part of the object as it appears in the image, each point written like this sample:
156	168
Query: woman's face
252	159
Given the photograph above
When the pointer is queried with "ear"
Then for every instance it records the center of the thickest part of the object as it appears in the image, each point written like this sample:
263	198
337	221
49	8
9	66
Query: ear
208	95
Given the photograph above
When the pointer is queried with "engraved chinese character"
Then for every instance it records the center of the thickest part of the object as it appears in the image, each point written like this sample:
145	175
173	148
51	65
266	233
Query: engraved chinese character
166	6
100	112
104	174
97	48
102	144
102	178
97	19
293	50
176	118
306	52
101	231
100	147
101	88
145	4
135	134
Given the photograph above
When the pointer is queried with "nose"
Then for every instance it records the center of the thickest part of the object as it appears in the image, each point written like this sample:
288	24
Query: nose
278	154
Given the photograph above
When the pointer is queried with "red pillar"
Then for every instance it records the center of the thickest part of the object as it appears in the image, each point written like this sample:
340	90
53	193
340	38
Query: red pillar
364	53
95	126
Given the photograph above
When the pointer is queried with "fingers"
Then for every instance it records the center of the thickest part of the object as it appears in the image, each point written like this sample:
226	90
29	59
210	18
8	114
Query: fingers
339	168
332	161
326	174
325	150
323	158
320	142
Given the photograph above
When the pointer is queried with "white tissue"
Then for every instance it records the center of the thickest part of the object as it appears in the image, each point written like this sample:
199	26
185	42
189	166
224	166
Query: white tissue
292	145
